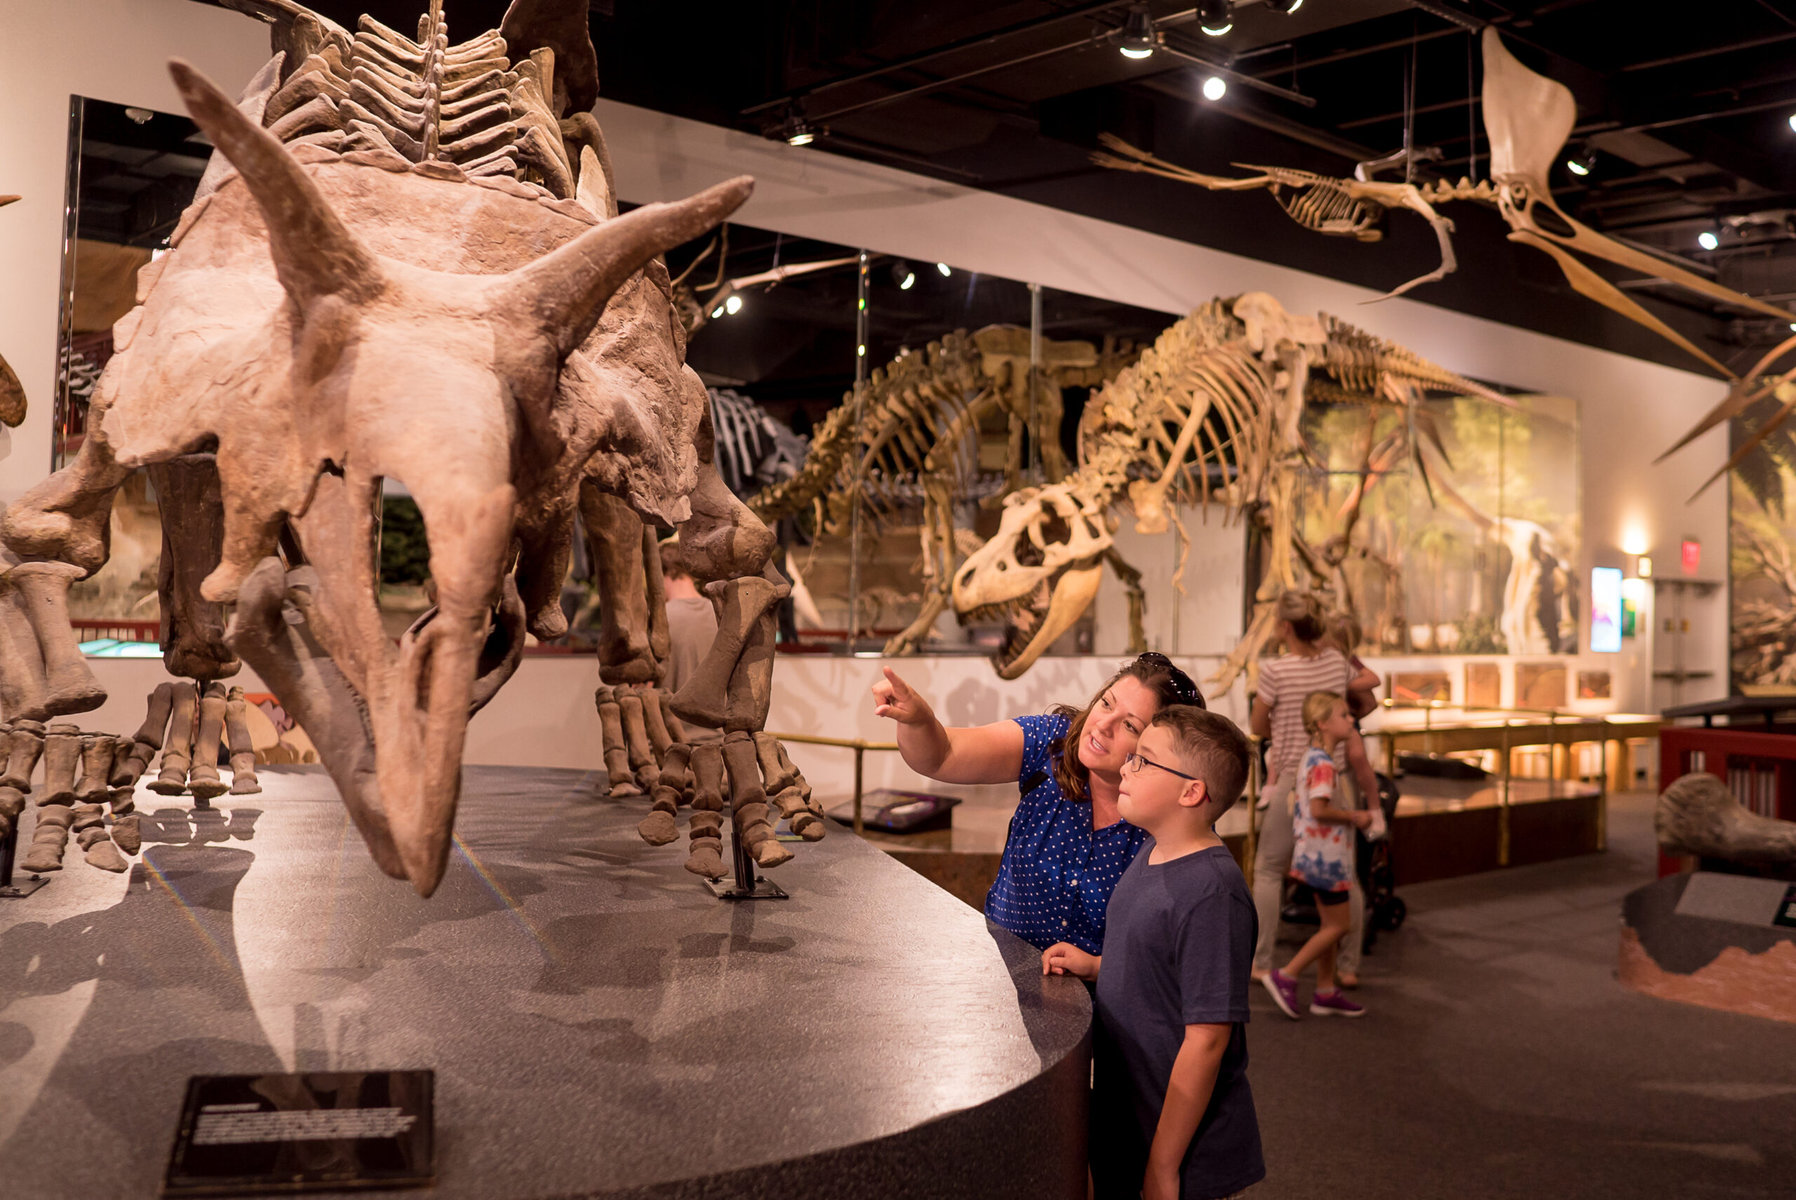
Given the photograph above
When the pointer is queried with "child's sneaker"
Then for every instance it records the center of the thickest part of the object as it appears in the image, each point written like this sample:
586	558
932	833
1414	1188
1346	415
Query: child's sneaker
1283	992
1333	1004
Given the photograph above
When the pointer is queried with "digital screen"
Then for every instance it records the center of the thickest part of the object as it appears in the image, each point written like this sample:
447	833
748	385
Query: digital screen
1605	610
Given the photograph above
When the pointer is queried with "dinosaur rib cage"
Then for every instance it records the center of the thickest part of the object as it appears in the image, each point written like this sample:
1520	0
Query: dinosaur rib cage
1326	208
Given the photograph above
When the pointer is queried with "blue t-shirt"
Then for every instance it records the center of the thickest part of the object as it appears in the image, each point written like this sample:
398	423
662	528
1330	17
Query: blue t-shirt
1179	952
1057	873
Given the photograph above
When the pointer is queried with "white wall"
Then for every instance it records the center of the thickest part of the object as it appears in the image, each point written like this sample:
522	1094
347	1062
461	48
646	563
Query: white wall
115	50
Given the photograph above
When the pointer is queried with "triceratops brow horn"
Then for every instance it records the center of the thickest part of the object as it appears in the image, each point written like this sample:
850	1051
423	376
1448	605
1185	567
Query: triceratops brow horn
314	253
567	288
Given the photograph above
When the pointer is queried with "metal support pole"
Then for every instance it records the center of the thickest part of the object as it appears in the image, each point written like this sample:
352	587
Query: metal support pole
860	417
1503	802
9	890
859	757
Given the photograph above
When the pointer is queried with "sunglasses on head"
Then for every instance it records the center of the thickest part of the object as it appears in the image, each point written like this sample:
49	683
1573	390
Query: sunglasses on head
1183	690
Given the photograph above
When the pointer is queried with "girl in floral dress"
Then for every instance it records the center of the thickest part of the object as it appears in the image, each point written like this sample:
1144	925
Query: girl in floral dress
1321	861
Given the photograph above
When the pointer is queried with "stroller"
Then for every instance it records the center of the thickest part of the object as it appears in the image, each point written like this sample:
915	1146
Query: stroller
1385	910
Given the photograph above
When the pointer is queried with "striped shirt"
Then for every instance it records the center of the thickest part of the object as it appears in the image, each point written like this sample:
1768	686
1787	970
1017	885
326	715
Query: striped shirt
1285	683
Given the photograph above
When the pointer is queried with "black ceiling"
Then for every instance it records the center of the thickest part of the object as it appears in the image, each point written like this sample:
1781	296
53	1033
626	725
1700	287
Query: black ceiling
1685	105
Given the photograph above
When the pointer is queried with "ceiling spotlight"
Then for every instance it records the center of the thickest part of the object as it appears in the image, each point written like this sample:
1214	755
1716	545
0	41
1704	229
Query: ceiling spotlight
1707	239
717	312
733	305
1215	17
1215	87
792	129
903	276
1582	163
799	133
1284	6
945	269
1793	122
1137	38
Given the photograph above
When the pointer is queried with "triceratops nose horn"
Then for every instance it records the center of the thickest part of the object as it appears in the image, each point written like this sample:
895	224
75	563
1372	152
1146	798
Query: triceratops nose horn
314	253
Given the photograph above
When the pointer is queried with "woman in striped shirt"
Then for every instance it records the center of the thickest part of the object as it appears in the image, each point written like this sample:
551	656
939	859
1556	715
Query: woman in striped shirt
1309	665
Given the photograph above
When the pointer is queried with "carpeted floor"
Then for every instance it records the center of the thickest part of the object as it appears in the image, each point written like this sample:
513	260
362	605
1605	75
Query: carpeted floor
1500	1058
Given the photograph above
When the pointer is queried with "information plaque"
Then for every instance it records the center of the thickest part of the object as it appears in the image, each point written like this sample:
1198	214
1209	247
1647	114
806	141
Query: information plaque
315	1131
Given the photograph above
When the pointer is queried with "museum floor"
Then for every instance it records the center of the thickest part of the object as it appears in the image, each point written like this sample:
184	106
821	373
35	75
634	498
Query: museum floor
1502	1059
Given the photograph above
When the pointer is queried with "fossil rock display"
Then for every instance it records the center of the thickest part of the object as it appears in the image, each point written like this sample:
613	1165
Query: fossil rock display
1697	815
1234	372
402	263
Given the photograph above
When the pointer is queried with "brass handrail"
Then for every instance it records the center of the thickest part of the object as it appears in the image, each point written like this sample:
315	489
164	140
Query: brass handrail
860	746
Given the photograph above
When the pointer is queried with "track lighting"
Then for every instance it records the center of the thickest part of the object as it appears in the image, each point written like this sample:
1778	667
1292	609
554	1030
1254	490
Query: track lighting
798	133
1707	239
733	305
1137	38
1215	17
1284	6
1793	122
903	276
1582	163
1215	87
945	269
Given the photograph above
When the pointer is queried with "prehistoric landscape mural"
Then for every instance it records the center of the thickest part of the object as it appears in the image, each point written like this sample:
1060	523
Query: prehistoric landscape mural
1468	544
1762	557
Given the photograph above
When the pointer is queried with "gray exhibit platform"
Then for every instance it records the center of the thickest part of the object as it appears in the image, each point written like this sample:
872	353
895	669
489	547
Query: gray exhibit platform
599	1023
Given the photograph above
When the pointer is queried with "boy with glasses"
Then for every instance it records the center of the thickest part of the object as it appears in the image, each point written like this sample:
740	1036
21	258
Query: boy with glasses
1172	1115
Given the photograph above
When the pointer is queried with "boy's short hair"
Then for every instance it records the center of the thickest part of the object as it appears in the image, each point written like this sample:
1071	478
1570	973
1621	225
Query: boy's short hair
1211	745
673	561
1316	707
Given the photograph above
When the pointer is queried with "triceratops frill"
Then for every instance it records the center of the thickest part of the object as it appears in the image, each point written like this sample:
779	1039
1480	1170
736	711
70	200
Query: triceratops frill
327	320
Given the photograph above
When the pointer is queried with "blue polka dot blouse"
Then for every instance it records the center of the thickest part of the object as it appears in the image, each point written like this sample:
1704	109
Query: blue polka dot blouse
1057	872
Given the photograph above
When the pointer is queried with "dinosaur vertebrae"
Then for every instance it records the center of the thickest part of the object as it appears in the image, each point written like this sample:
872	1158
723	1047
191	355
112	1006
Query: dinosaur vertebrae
1366	367
428	102
910	404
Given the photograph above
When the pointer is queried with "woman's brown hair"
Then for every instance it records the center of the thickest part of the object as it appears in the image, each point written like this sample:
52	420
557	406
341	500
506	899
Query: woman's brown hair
1304	612
1157	673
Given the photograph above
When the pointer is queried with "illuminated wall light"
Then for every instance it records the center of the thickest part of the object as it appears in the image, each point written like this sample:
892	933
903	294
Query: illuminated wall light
1215	87
1643	567
733	305
1634	540
1707	239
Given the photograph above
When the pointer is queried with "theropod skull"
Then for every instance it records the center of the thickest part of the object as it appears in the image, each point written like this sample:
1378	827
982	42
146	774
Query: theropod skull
1040	570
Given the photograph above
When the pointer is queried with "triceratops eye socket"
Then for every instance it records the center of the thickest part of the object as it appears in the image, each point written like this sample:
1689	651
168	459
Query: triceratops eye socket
1054	528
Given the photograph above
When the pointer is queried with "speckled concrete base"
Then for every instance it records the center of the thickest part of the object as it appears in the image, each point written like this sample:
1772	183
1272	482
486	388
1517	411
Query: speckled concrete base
600	1025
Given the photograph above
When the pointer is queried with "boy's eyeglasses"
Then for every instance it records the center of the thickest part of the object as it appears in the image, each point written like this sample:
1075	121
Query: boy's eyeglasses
1184	691
1137	761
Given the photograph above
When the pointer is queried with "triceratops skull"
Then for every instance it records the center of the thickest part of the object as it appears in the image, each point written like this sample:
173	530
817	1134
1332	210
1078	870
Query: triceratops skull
295	327
1040	570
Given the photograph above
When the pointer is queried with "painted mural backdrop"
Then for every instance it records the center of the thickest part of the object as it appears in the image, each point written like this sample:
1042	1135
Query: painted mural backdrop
1475	550
1762	558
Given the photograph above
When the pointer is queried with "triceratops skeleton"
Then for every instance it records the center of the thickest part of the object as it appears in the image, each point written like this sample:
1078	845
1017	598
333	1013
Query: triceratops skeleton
388	274
1211	411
